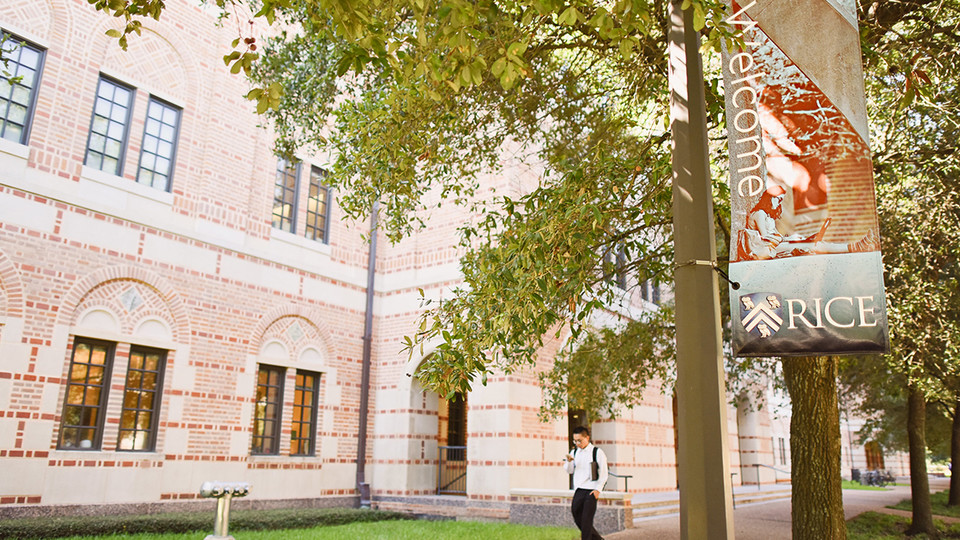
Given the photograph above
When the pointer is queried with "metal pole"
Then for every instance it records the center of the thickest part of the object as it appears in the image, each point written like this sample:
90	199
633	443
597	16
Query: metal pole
363	487
705	494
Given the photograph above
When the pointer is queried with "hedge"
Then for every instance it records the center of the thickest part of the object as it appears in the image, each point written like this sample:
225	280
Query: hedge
185	522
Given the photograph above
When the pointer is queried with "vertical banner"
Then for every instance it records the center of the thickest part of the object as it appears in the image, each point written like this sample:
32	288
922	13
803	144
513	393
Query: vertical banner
804	238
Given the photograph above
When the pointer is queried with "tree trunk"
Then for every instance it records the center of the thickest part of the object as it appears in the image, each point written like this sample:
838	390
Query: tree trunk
815	448
919	484
954	499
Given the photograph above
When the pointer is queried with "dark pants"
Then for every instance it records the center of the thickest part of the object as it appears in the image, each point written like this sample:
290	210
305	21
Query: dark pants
584	507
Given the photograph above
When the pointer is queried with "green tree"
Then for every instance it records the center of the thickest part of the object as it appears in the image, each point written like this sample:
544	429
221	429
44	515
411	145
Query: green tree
914	91
582	87
430	90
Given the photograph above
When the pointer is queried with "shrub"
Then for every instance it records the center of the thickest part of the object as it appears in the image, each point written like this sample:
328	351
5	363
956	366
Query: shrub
185	522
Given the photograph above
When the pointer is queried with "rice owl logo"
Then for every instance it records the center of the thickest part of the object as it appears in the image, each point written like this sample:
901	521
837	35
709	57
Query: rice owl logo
761	313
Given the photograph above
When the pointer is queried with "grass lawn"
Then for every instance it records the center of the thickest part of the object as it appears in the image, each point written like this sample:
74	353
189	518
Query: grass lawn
384	530
938	502
877	526
850	484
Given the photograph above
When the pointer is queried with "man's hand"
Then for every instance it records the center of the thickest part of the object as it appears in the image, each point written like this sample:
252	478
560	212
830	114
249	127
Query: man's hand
596	494
569	457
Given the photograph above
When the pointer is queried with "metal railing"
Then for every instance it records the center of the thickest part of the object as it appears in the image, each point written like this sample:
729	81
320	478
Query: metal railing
452	471
624	476
775	471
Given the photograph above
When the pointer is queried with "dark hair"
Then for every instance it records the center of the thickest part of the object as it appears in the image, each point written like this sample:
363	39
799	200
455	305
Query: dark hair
581	430
766	204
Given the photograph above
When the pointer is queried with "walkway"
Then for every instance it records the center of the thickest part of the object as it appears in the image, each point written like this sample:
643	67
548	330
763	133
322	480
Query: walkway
769	520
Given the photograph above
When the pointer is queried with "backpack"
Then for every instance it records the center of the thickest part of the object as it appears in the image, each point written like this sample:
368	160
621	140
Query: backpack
594	466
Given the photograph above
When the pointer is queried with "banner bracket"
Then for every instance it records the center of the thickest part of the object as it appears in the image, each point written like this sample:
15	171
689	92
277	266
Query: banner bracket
711	264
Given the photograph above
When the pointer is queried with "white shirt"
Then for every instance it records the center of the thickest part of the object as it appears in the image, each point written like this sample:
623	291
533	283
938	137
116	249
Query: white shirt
580	468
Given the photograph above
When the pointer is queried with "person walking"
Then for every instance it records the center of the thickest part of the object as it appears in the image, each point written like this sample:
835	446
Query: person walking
588	465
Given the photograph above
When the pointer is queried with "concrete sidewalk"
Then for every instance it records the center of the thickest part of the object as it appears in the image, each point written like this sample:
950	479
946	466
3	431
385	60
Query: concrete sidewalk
770	520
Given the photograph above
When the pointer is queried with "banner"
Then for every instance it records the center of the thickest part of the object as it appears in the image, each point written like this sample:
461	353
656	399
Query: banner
804	238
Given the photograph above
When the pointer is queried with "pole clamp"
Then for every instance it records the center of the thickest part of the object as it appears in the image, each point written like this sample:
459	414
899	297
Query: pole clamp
711	264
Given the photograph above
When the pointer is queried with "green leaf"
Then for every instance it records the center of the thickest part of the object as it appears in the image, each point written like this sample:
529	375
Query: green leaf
908	97
343	65
275	90
570	16
626	48
699	19
114	33
262	106
498	66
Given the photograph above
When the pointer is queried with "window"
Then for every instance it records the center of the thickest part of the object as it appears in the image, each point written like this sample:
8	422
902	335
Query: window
783	451
141	399
303	429
615	266
86	397
457	421
22	62
106	146
88	384
269	402
108	129
268	416
650	291
159	145
285	196
318	216
874	455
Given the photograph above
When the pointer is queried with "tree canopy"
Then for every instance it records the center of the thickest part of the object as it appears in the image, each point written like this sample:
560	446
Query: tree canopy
434	93
420	95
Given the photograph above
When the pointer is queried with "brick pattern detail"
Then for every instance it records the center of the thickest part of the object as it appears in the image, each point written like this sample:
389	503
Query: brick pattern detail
21	499
105	286
11	288
33	16
276	323
152	57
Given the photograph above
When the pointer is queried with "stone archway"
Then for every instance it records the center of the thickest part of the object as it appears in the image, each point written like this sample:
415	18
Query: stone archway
433	432
424	440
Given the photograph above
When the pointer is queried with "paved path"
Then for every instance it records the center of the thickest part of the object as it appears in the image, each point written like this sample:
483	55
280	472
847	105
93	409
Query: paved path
771	520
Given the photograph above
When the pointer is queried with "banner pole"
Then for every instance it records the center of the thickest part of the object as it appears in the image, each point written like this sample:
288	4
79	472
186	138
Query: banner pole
705	490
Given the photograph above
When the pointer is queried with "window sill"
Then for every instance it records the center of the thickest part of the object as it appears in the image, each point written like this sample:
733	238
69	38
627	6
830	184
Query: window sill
299	241
266	461
109	455
126	185
21	151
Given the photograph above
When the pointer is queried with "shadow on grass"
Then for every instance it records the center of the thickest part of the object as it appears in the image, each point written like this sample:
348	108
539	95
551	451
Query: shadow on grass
877	526
938	503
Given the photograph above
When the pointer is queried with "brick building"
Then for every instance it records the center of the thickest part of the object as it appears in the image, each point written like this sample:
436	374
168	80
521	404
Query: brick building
178	306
